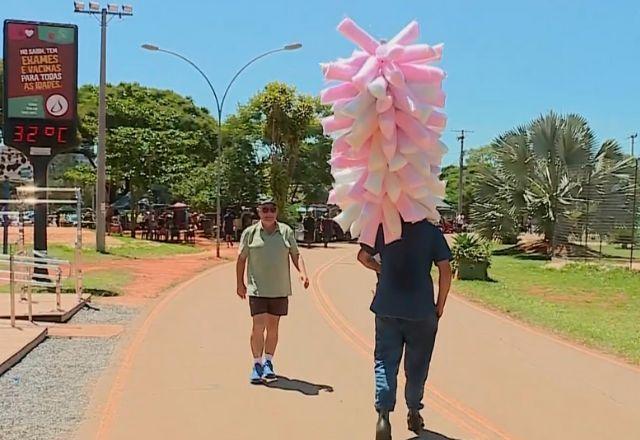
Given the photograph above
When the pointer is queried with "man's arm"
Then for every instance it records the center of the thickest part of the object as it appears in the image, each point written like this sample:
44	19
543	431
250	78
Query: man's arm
298	262
444	284
366	259
241	287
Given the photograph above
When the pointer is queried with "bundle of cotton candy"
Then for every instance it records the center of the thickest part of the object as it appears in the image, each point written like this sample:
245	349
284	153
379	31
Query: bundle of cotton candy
386	152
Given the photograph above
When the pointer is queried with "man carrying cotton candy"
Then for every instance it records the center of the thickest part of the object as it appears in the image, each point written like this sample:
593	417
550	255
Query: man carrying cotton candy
406	315
385	162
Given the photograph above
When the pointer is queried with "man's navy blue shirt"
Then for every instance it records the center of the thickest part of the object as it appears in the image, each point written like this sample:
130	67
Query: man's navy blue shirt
405	287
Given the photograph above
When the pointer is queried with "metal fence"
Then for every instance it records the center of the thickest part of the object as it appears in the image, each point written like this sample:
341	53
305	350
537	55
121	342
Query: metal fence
602	223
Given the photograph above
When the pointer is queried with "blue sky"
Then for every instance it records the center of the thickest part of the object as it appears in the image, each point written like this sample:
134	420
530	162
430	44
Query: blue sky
507	61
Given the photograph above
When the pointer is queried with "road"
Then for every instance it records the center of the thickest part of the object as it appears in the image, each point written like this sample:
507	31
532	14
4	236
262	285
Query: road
183	374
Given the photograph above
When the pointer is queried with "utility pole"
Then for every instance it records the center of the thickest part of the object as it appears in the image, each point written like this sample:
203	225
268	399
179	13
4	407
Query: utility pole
101	172
633	141
461	138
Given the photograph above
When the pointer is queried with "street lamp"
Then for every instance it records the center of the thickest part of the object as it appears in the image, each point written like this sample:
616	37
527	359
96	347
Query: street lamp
110	10
219	107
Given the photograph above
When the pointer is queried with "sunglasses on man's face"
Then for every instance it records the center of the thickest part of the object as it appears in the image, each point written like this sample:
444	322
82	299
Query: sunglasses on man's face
268	209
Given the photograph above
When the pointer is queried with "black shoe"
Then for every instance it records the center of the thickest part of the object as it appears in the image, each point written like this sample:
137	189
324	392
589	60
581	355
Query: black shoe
383	427
415	422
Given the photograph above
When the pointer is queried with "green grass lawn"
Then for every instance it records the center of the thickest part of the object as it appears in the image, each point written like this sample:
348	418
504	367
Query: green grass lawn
596	305
614	251
111	282
125	248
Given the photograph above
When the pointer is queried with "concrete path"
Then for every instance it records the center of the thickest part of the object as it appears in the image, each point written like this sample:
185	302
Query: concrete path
16	342
184	373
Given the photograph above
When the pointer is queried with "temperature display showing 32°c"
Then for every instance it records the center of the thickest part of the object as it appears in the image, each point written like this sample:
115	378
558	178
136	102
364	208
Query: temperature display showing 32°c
39	134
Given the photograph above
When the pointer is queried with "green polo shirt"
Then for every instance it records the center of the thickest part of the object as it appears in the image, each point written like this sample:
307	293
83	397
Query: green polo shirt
268	272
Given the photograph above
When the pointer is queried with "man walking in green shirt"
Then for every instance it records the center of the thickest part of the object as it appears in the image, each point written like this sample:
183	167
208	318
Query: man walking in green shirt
266	248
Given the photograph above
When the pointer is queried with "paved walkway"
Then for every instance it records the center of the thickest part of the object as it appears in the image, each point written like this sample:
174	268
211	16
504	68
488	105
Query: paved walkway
184	373
16	342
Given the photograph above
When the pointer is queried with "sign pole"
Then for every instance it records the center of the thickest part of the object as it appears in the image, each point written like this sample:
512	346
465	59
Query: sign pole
6	193
40	211
40	101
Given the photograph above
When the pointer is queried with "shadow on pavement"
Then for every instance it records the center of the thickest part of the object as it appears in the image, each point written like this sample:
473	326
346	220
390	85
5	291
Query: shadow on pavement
430	435
301	386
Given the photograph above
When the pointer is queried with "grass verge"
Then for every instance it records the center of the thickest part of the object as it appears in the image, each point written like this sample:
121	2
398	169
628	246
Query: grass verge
595	305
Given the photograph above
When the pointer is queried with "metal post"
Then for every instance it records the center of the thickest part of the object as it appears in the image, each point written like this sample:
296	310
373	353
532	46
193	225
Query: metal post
5	234
102	136
59	288
12	293
40	209
633	215
460	178
22	251
219	183
29	297
78	251
20	232
6	193
586	232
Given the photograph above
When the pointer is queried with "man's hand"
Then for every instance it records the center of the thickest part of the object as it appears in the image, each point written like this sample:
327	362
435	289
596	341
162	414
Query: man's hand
368	261
241	291
304	279
444	284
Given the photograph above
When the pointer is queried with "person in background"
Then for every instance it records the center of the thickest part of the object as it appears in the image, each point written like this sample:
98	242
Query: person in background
227	223
309	224
326	227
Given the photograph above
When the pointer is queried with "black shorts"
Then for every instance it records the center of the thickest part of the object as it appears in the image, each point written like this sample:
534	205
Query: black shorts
273	306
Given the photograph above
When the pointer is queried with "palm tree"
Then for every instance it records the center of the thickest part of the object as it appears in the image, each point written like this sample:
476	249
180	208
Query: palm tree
499	204
546	170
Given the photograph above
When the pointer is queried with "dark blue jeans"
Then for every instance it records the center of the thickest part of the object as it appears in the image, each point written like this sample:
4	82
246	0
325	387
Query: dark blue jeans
416	338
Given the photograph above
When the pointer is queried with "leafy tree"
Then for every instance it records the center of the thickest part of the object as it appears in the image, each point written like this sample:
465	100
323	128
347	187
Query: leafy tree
312	178
285	118
243	172
240	179
133	106
155	137
477	160
81	175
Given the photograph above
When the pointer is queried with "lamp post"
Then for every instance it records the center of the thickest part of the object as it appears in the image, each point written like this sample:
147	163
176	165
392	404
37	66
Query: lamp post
219	108
111	10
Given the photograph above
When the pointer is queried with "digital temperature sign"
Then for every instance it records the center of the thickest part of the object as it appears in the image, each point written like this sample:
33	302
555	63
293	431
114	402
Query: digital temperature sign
40	85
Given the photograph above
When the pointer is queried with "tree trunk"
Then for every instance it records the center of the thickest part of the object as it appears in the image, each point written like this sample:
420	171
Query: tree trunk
294	194
134	217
